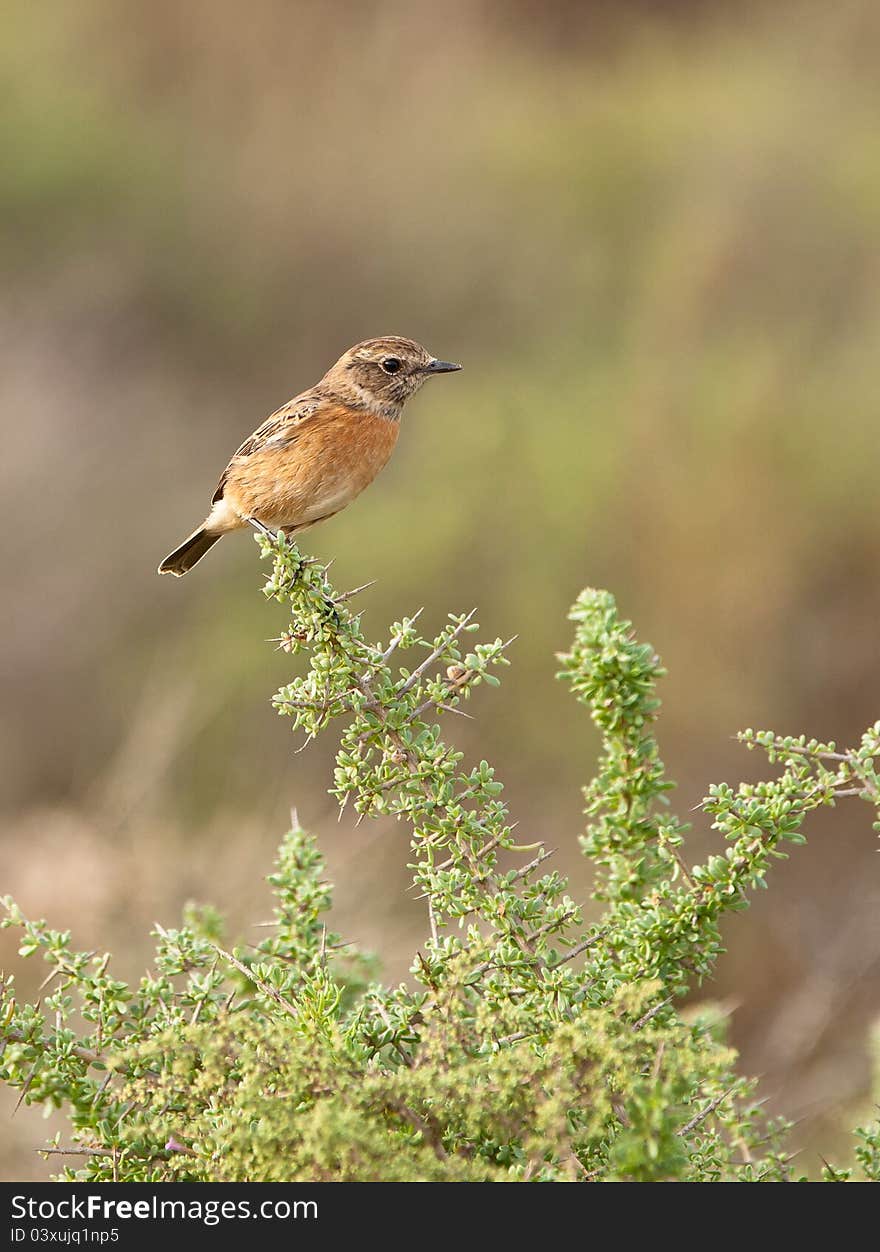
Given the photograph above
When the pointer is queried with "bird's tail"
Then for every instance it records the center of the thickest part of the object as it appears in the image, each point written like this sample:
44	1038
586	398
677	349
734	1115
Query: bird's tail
191	550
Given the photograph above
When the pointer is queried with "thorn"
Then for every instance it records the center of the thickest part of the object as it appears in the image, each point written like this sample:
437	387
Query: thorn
26	1086
52	974
448	708
355	591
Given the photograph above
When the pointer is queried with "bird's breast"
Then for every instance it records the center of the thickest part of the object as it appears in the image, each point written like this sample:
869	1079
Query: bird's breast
335	454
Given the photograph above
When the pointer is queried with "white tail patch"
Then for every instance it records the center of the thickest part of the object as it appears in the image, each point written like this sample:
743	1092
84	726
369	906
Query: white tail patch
223	518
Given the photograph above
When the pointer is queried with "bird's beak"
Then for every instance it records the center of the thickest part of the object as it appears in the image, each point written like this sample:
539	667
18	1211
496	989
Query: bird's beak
440	367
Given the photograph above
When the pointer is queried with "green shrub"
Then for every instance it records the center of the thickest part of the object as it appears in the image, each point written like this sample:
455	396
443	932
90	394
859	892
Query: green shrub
528	1046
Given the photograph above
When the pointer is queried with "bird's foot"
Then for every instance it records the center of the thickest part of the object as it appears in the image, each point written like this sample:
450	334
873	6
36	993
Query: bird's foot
264	530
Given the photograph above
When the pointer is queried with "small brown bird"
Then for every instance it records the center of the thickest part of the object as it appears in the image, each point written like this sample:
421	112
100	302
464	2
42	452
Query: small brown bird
317	452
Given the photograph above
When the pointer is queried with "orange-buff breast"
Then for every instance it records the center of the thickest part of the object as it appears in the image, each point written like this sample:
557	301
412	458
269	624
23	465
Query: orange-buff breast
327	462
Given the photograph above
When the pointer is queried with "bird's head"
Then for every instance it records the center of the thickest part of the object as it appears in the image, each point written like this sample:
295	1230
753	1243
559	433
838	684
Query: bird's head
380	375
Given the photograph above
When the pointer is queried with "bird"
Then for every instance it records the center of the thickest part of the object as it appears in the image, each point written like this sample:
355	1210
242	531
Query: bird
314	455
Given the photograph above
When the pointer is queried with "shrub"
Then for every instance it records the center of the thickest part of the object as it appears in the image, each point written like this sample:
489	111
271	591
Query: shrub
528	1045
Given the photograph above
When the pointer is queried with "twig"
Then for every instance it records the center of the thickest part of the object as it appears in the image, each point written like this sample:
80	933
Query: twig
643	1021
514	1038
781	749
84	1054
258	982
74	1151
435	654
428	1129
710	1108
581	947
385	657
543	855
680	862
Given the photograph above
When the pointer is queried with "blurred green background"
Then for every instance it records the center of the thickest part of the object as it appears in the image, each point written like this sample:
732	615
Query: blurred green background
651	233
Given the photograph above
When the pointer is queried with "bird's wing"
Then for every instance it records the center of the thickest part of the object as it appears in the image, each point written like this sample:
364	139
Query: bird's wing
280	429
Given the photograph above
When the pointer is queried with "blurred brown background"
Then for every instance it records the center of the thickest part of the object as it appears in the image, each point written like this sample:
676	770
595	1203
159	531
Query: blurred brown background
650	232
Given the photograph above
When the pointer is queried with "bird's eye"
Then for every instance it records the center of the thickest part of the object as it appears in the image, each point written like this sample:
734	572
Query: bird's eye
391	365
